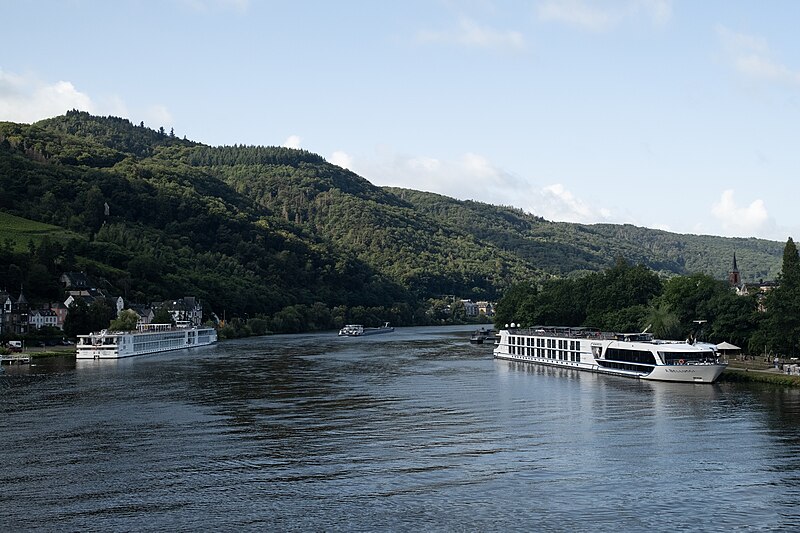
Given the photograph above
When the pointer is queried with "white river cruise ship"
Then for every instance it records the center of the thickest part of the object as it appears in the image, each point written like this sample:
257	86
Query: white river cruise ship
636	355
149	338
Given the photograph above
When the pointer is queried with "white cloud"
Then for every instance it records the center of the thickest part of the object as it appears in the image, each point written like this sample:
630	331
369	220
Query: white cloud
560	204
473	177
292	141
27	99
23	98
470	34
342	159
751	56
659	11
158	116
603	16
750	221
577	13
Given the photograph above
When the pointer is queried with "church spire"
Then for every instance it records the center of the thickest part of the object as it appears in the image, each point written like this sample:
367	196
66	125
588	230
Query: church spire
733	276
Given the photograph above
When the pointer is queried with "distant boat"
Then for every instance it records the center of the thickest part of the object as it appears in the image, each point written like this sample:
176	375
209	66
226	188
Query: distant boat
357	330
483	335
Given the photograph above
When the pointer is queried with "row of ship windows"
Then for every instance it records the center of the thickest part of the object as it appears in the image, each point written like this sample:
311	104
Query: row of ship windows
160	336
632	367
152	345
560	344
546	353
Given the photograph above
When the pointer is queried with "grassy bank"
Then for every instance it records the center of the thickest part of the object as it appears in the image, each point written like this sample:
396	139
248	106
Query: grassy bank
754	372
51	353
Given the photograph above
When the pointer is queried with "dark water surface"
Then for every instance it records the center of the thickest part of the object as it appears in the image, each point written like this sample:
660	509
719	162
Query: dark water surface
411	431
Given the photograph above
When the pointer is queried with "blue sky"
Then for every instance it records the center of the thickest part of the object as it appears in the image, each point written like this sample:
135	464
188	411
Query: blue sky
679	115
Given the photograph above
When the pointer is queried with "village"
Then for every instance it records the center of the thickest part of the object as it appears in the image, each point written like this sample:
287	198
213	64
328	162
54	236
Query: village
44	325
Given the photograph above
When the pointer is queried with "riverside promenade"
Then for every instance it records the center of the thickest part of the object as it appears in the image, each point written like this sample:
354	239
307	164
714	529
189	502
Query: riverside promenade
759	371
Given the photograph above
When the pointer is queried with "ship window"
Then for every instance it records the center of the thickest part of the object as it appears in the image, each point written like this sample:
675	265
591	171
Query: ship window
674	358
633	367
631	356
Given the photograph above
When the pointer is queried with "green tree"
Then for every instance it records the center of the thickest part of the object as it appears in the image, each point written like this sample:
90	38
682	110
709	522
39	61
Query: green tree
662	322
258	326
93	209
735	319
790	270
163	316
126	321
780	329
517	305
77	321
690	298
100	314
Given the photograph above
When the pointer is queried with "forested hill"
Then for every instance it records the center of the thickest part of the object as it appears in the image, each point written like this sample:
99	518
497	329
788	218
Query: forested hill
276	231
565	249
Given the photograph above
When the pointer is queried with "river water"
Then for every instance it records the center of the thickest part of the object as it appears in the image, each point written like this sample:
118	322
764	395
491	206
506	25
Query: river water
415	430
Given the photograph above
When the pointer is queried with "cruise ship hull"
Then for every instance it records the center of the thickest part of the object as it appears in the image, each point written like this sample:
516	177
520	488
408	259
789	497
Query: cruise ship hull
118	345
628	355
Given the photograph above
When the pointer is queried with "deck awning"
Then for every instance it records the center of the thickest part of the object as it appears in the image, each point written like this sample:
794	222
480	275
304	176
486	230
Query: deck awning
727	347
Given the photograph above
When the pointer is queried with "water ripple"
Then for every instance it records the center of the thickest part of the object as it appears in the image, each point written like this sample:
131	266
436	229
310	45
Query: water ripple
402	432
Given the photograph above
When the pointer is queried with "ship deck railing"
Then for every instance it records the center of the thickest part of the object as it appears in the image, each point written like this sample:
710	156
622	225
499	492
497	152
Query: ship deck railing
575	333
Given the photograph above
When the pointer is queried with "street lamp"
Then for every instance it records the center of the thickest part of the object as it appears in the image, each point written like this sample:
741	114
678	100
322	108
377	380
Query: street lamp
699	327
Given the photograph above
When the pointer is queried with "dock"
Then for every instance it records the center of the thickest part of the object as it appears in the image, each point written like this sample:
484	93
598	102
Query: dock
15	359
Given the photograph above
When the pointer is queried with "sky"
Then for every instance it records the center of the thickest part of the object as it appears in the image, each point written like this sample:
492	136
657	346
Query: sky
676	115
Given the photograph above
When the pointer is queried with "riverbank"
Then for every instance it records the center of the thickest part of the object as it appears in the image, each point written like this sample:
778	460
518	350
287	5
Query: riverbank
757	372
36	352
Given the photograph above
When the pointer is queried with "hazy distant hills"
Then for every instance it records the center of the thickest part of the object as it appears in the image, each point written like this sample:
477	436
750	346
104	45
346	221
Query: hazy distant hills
257	229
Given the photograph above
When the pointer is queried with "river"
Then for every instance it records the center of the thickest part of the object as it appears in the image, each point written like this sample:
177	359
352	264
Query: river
415	430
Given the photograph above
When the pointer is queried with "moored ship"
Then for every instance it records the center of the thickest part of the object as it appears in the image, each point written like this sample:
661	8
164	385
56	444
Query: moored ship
147	339
483	335
636	355
357	330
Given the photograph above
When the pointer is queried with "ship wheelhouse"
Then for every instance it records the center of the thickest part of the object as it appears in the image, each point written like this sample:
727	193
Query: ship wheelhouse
699	357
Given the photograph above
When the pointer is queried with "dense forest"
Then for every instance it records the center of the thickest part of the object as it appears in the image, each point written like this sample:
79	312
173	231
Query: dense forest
283	236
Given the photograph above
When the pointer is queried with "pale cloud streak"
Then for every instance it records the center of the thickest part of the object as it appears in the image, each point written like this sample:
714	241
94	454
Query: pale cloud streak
603	16
159	116
751	56
474	177
469	33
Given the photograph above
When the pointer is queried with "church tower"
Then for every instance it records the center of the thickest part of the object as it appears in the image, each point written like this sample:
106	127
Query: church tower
733	276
